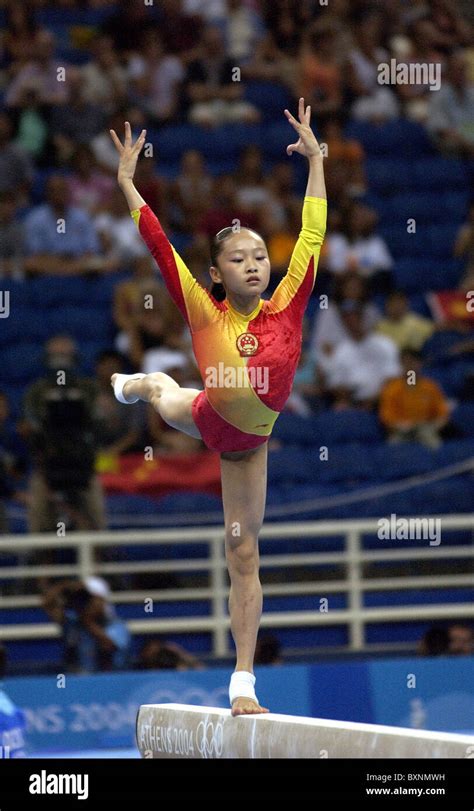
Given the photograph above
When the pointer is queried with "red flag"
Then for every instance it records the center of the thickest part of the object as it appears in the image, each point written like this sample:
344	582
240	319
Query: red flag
199	472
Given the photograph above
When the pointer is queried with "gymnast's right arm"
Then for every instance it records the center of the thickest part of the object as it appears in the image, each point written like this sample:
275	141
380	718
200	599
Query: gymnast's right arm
193	300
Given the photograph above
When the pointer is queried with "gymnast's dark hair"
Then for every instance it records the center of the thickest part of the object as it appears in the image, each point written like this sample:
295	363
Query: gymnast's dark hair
217	290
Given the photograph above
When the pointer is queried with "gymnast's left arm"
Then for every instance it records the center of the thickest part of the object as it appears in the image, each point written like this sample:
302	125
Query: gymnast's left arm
304	260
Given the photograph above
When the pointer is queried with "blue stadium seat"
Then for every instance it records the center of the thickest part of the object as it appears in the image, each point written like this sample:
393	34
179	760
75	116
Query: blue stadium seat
79	321
440	173
401	243
438	345
463	418
387	175
441	240
88	351
15	327
277	138
269	98
347	463
22	361
400	136
399	461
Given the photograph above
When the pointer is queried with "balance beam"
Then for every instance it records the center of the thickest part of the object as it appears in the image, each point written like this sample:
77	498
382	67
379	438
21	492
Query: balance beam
187	731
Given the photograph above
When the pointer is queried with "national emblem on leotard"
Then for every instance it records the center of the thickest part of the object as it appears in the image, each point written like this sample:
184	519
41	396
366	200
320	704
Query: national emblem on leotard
247	344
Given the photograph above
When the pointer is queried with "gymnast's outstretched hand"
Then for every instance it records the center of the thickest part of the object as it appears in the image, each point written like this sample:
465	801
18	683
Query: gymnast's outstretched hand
306	144
128	152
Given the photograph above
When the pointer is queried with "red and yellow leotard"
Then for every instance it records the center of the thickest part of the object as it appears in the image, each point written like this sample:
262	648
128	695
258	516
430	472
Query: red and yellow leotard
247	362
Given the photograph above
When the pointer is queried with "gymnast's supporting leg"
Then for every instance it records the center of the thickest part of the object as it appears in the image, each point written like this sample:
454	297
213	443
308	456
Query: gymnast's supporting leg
244	487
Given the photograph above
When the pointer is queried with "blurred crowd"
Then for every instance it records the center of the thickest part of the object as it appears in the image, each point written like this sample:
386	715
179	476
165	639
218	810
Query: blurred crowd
174	62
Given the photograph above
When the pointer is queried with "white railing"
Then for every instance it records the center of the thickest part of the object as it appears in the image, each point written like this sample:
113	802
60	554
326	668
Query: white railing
352	557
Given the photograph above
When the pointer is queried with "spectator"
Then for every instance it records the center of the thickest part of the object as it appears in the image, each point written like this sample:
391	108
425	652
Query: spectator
329	329
77	122
49	76
408	329
268	63
452	29
280	226
211	94
12	719
343	153
210	10
358	248
190	192
60	423
360	365
268	650
104	78
159	655
373	102
181	31
460	639
153	320
12	463
31	124
121	241
252	192
152	187
104	151
89	187
451	111
19	32
119	431
243	28
464	249
423	45
287	19
320	69
127	24
129	295
61	238
224	209
94	638
16	169
412	407
155	77
12	238
434	642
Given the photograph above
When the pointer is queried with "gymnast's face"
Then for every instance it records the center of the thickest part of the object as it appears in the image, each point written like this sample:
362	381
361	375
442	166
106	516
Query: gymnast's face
243	265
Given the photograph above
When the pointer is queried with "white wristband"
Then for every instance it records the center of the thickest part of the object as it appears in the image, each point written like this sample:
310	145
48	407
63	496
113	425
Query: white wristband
242	686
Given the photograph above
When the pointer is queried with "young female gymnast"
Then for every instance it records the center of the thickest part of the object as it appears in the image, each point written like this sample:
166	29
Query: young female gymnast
247	350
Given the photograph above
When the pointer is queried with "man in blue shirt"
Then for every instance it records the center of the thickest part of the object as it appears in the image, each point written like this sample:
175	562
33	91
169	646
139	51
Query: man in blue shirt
12	721
61	238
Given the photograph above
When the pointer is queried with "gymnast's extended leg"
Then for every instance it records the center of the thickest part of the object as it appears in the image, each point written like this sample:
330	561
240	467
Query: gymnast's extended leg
173	403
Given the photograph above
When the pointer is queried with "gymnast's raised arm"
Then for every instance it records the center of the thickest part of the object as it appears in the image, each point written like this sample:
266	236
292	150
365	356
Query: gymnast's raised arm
195	304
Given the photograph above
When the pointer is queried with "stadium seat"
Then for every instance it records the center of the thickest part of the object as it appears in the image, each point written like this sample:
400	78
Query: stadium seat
463	418
437	173
22	362
269	97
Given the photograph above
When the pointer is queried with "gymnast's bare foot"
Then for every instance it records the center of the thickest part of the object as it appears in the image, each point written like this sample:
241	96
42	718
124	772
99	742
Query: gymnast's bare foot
247	706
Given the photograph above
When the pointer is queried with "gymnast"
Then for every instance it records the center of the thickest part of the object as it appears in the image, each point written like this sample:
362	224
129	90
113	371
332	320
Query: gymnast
244	339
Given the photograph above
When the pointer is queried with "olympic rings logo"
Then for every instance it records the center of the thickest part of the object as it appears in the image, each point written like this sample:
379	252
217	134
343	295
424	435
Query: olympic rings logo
210	739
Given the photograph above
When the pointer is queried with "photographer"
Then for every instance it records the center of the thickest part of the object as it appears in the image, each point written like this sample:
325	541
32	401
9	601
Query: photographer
94	638
61	426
